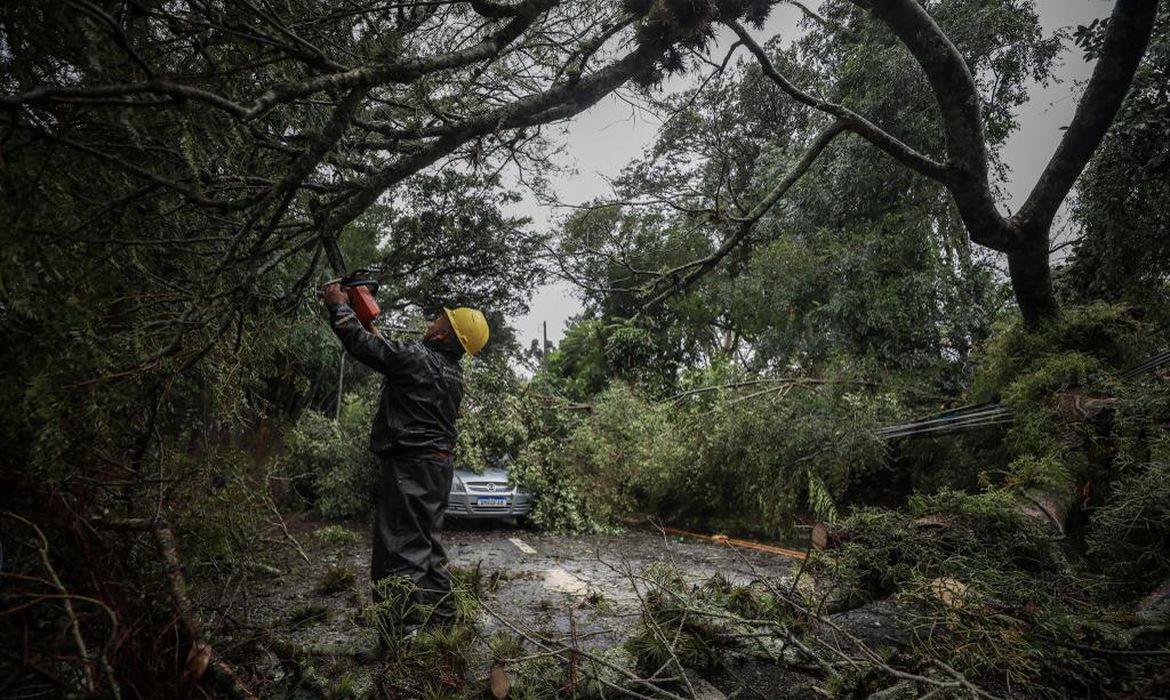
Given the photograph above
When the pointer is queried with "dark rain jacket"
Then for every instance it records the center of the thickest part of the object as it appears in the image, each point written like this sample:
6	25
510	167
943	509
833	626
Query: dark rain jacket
421	388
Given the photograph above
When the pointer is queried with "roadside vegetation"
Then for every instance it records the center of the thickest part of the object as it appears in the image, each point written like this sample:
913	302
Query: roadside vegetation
797	326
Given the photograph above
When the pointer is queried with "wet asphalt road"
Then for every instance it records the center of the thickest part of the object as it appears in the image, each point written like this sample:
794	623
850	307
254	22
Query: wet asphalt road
581	590
542	578
554	585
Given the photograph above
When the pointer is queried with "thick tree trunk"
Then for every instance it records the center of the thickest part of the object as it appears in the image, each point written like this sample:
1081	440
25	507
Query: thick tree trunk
1031	278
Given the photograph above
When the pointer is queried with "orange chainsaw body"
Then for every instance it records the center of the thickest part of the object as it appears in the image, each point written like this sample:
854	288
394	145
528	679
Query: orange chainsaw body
362	301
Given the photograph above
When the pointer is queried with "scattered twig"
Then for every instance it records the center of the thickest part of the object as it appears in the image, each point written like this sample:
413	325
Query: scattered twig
202	659
280	522
872	657
563	652
87	662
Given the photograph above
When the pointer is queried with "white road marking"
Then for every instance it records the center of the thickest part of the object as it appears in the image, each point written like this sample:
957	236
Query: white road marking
557	579
522	545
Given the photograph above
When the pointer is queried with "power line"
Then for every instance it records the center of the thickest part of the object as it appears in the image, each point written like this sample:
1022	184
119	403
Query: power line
992	413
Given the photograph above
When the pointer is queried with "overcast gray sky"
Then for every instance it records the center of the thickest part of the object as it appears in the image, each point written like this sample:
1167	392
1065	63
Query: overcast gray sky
605	138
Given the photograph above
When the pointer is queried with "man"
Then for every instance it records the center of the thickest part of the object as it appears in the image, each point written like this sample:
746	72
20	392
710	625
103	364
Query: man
413	436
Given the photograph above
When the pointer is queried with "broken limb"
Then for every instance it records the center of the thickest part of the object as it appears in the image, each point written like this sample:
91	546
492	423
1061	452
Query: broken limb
958	680
202	659
565	652
829	668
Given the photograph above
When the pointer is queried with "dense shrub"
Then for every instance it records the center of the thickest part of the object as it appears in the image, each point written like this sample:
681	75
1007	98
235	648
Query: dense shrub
222	500
1044	377
761	452
496	415
625	456
1104	335
988	590
331	458
758	455
770	454
1130	534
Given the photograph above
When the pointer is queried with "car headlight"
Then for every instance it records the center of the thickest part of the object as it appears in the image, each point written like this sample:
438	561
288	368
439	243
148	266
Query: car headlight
457	486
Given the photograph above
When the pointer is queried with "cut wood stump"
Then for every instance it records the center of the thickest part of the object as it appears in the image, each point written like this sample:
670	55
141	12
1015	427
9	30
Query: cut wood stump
827	536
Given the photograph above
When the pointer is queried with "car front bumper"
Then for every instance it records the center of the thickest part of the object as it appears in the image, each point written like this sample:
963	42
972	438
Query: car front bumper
487	505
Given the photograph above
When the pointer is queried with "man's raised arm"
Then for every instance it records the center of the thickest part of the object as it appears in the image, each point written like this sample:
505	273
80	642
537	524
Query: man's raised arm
371	349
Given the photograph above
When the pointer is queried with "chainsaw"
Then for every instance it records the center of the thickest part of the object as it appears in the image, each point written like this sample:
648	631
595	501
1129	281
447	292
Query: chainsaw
360	285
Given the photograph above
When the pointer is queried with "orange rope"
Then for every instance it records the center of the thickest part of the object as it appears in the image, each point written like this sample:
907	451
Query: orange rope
746	544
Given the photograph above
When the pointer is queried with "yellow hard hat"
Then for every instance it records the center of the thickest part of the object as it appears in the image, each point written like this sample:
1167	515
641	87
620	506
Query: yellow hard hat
470	327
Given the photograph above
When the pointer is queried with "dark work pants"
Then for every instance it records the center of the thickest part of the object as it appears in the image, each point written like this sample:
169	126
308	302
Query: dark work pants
411	502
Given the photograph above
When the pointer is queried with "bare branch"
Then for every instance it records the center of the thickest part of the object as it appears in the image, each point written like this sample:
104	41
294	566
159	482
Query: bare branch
401	72
678	281
853	121
1126	40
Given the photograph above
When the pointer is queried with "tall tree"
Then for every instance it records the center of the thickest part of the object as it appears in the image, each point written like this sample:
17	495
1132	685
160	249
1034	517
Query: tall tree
964	166
764	219
971	88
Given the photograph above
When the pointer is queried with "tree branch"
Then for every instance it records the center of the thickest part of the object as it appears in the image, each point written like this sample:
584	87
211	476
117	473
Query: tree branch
400	72
559	102
699	268
959	104
853	121
1126	40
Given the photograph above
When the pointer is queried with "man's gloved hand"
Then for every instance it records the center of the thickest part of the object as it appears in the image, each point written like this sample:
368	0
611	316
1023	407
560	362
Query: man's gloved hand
334	294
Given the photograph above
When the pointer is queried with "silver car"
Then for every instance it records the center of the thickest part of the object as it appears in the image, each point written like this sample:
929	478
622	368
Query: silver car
486	495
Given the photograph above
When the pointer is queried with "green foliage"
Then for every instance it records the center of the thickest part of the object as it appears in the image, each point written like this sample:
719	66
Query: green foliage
764	452
1038	432
333	457
622	457
156	315
758	456
222	500
1040	374
447	242
1141	419
579	363
597	351
392	614
1106	334
560	501
522	425
858	258
308	613
667	630
496	415
1046	472
630	352
337	535
1130	535
990	593
983	540
1123	197
820	501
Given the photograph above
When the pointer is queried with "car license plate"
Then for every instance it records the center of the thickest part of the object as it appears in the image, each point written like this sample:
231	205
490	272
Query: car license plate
492	501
